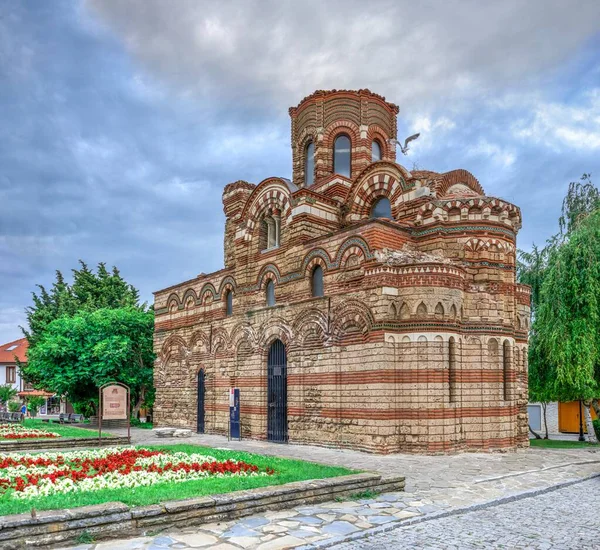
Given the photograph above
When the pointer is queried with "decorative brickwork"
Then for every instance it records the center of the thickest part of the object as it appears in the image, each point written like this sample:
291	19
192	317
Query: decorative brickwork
419	342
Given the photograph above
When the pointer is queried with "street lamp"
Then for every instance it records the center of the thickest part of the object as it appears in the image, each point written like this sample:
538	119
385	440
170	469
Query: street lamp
581	437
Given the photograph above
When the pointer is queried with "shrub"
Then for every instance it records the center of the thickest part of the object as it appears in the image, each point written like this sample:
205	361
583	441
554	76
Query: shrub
14	406
7	392
596	424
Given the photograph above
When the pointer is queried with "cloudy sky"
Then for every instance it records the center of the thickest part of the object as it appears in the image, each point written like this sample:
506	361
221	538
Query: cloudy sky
122	120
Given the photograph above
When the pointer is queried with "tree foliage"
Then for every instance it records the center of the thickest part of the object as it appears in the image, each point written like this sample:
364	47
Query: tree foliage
582	199
564	348
75	355
7	393
88	292
567	326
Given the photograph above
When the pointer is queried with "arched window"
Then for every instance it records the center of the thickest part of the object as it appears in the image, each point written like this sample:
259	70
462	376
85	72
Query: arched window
271	229
382	209
375	151
270	292
341	155
229	303
317	281
309	164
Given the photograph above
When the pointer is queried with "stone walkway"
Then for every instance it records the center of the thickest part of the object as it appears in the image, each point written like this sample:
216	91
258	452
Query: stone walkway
563	519
434	485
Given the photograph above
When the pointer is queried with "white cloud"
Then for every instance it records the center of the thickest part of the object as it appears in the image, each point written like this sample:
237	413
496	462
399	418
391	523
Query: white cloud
413	52
502	156
560	126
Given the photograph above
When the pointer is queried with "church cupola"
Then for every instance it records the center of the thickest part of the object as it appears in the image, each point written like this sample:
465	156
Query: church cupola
341	132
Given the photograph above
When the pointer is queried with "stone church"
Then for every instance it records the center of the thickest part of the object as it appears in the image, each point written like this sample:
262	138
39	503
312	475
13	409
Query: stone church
361	305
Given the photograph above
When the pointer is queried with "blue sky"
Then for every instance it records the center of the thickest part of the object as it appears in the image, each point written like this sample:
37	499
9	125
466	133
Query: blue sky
121	122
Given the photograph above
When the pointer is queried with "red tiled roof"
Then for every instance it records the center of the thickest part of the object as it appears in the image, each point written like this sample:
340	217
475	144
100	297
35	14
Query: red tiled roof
17	348
35	393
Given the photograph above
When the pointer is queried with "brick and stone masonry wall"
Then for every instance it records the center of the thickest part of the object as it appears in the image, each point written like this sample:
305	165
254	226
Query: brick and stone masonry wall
420	341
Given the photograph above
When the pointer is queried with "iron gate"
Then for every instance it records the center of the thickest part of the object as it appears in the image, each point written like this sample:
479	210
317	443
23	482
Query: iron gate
200	401
277	428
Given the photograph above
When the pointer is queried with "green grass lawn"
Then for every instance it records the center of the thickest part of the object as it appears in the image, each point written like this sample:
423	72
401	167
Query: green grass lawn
286	471
65	430
559	444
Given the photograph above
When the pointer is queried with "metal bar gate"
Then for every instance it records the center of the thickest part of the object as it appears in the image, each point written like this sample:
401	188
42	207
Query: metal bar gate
277	427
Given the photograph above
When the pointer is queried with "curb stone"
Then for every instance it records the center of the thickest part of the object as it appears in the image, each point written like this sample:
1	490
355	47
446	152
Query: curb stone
438	515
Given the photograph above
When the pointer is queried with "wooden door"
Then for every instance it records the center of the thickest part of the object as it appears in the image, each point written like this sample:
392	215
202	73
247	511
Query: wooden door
568	417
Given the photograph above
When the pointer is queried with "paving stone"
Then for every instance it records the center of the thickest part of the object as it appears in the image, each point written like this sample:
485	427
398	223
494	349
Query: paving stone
326	517
255	521
216	527
390	497
281	542
245	542
240	531
274	528
379	505
339	528
379	520
363	524
283	514
311	510
290	524
348	517
161	542
196	540
406	514
309	520
428	508
302	533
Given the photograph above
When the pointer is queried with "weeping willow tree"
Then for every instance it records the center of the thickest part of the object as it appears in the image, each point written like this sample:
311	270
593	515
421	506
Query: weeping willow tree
566	328
564	348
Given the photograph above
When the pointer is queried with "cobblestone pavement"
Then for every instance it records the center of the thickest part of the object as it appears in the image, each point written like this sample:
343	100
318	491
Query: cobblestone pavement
435	484
563	519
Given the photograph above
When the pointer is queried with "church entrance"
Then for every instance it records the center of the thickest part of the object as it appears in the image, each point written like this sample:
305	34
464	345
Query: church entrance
277	428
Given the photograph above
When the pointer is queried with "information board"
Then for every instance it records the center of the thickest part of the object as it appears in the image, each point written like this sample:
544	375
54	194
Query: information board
113	400
114	403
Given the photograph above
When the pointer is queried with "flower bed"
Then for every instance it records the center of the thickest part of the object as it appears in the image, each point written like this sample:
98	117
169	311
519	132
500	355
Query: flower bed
17	431
31	476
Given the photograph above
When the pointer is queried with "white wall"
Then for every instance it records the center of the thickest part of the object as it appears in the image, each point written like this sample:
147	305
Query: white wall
551	417
17	383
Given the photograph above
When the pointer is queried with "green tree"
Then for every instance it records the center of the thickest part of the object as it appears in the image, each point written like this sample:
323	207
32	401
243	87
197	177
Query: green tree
559	263
75	355
88	292
7	393
567	324
582	199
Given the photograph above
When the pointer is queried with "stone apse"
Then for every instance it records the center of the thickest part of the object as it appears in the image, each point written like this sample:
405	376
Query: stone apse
361	305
